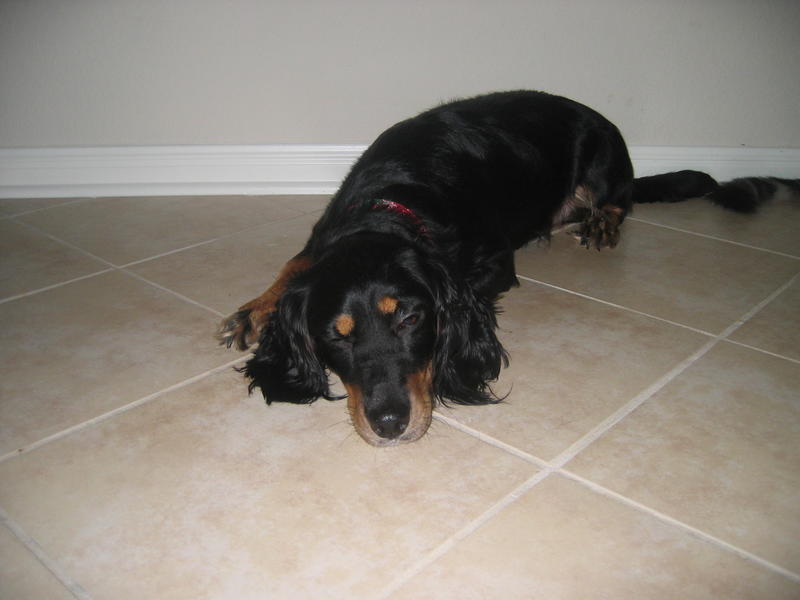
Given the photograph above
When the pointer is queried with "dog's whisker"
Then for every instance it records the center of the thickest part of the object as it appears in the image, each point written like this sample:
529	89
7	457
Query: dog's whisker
338	423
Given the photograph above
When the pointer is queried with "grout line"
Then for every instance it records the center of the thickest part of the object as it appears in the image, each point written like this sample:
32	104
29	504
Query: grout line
557	464
66	243
212	240
757	308
54	286
553	467
119	410
614	305
492	441
123	267
618	415
48	563
133	263
119	268
462	533
713	237
172	292
762	351
698	533
604	426
43	208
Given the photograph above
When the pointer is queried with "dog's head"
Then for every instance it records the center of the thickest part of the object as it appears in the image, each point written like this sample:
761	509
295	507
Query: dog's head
390	320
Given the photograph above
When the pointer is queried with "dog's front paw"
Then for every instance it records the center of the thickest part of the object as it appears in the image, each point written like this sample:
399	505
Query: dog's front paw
239	329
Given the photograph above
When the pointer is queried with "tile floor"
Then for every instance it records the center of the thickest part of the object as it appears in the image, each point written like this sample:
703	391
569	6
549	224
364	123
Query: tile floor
649	448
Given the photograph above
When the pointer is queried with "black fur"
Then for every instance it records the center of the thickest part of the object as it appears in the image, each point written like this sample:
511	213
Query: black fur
286	363
430	216
673	187
746	194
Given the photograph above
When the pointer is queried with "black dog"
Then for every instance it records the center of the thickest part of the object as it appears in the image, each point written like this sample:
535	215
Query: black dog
395	289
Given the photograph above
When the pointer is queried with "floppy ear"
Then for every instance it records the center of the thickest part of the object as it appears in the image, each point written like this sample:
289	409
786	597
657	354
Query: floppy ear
467	355
285	365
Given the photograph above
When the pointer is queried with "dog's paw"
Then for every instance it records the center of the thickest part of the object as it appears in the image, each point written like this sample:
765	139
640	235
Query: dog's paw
239	329
601	228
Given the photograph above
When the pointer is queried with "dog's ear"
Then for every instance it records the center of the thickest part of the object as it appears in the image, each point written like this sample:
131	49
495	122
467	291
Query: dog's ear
285	365
467	354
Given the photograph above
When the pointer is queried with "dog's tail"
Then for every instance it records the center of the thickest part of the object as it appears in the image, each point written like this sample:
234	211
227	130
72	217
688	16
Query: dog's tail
742	195
745	195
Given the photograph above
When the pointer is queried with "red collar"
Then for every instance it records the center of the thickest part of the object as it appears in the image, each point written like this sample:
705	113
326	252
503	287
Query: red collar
401	209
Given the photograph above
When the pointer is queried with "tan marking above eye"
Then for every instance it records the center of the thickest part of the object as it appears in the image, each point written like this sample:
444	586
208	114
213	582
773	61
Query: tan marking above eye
344	324
387	305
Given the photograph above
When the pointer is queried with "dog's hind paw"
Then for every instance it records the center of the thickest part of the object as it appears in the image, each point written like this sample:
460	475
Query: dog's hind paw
601	228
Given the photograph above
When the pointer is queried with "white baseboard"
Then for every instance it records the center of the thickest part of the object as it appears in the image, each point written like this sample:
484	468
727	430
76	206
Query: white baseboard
288	169
721	163
173	170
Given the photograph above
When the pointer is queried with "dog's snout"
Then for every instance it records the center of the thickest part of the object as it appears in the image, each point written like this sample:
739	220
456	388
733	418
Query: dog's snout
390	424
385	415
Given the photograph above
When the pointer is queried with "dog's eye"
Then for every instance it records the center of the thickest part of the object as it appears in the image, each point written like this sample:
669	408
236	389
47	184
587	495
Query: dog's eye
409	321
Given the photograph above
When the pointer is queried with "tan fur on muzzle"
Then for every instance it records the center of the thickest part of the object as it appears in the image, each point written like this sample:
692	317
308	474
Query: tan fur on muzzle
419	386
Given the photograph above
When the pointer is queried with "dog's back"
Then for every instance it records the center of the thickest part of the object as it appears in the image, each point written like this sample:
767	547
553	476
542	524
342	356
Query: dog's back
496	165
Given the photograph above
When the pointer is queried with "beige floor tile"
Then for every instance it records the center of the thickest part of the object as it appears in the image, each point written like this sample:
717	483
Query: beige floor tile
30	261
87	347
776	328
123	230
16	206
773	227
208	493
22	576
562	541
685	278
717	448
226	273
573	362
205	492
313	203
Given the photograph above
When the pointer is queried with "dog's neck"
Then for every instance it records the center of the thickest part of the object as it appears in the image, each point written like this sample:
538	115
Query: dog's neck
401	209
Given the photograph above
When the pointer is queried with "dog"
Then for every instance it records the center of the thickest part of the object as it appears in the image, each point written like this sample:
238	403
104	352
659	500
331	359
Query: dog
396	289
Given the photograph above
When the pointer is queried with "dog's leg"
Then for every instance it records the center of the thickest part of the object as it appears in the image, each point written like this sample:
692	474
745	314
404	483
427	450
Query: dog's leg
492	271
243	327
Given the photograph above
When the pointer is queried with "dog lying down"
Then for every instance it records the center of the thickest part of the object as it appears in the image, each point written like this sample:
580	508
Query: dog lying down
395	289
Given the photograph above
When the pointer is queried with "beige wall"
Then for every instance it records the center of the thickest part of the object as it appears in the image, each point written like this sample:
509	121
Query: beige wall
124	72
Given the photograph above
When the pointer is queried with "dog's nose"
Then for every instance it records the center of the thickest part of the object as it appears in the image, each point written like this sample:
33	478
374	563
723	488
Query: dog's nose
390	425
